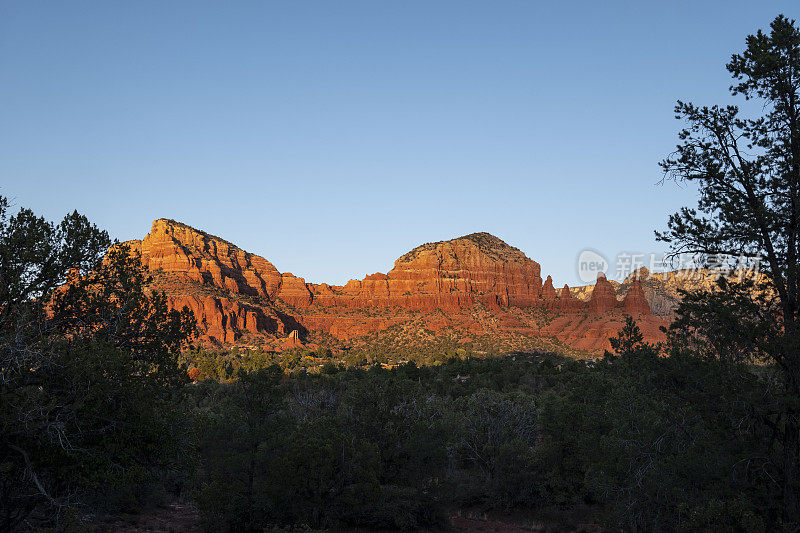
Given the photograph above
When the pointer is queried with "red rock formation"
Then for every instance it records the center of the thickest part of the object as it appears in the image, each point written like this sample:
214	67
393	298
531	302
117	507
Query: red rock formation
221	320
455	274
635	302
294	291
323	294
174	247
568	303
603	296
591	332
448	275
548	291
374	289
476	284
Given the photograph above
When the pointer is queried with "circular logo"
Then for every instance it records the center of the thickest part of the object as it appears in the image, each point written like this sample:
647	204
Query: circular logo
591	263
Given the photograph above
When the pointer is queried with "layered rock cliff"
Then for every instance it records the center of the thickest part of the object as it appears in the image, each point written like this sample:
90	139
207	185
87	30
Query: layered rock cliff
241	298
197	256
214	278
447	275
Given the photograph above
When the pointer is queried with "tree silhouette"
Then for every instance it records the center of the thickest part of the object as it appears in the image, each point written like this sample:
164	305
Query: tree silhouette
748	174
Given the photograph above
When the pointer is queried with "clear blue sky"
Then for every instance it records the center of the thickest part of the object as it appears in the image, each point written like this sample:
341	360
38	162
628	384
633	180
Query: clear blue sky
332	137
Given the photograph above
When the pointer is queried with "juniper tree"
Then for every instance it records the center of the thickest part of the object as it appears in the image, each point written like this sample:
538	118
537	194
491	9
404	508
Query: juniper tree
87	359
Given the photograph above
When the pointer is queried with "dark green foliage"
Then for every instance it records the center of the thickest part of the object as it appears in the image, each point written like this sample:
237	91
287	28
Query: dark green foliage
110	305
748	174
372	448
650	442
491	448
663	443
86	374
225	366
35	255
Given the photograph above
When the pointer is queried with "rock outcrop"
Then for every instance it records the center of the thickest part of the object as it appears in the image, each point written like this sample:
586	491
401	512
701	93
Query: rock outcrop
591	333
294	291
603	297
567	303
548	291
223	321
447	275
662	289
635	302
476	284
174	247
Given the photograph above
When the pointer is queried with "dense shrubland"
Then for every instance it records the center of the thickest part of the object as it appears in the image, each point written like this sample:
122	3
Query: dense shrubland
648	442
99	417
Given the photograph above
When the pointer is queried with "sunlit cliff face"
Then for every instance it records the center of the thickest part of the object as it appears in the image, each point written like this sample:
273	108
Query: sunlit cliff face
476	284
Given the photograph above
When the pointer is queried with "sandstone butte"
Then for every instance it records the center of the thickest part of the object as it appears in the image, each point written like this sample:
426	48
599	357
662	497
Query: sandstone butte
473	285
